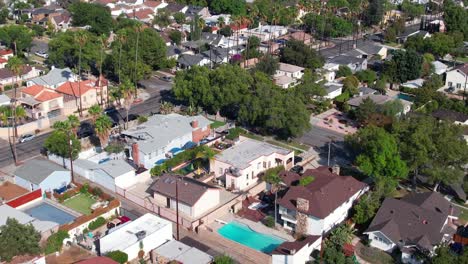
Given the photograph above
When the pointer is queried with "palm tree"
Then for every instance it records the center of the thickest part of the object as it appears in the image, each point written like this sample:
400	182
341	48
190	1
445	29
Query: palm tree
272	177
221	22
81	38
166	108
103	126
15	64
73	123
122	40
103	40
95	111
126	90
138	31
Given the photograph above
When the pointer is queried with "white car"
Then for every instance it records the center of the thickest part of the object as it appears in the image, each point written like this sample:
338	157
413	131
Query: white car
42	54
26	137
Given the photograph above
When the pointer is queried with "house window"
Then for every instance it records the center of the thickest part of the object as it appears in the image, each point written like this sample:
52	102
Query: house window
252	174
84	99
258	165
450	84
264	165
247	175
458	85
269	164
220	170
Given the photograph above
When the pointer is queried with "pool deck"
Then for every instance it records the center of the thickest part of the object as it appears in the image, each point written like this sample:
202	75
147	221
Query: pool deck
256	226
54	204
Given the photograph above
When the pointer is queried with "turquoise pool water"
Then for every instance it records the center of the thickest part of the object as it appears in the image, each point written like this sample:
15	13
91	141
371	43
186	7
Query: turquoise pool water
244	235
406	97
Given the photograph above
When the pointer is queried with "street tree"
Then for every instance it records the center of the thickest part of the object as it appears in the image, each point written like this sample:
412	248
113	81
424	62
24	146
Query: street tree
16	37
95	111
404	66
103	126
62	142
17	239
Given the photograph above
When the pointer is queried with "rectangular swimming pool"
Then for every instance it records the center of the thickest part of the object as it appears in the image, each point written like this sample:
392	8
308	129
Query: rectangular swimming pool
48	212
242	234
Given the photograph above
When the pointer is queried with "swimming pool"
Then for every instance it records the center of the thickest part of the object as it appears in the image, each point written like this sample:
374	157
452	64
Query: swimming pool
406	97
48	212
242	234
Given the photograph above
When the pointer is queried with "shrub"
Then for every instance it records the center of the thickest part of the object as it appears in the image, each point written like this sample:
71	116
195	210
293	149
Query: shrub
114	147
97	191
7	87
234	133
119	256
306	180
142	119
100	221
55	241
223	259
84	188
270	221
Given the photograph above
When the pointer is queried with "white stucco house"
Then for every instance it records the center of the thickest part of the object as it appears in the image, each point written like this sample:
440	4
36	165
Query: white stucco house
290	70
354	63
333	90
41	174
195	197
326	200
456	79
240	165
163	136
416	222
296	252
148	230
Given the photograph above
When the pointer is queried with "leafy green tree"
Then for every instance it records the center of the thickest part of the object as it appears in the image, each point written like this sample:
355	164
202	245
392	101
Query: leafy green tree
351	85
162	18
374	12
343	71
455	18
118	256
333	251
175	36
233	7
226	31
55	241
3	15
97	16
327	25
94	111
268	65
179	17
308	89
17	239
365	110
367	76
64	50
366	208
297	53
378	157
412	10
252	48
404	66
58	143
16	37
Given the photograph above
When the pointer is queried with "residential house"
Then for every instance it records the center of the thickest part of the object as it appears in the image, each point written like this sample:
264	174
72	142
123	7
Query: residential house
456	79
155	5
418	222
210	39
39	101
284	81
299	35
174	7
6	54
320	205
3	63
413	84
266	32
368	50
7	77
333	90
88	90
45	228
4	100
452	116
110	174
187	61
201	12
144	15
41	174
288	75
213	20
354	63
162	136
379	99
54	78
296	252
439	67
177	252
61	22
195	198
417	32
239	166
216	55
366	90
147	231
173	52
98	260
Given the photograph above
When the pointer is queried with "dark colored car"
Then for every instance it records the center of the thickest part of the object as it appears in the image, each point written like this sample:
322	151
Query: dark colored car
85	130
166	78
297	169
110	110
297	159
132	117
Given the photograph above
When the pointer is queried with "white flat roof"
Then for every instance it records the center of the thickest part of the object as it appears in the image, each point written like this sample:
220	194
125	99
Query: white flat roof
125	236
175	250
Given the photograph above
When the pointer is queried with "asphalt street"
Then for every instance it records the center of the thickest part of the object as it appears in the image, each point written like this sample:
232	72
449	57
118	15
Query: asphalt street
30	149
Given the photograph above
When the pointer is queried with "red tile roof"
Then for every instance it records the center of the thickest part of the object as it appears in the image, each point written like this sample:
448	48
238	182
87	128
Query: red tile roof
33	90
152	3
235	27
6	52
2	60
141	14
71	88
327	192
40	93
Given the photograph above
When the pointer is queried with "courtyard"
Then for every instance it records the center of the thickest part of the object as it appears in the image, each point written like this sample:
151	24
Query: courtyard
80	203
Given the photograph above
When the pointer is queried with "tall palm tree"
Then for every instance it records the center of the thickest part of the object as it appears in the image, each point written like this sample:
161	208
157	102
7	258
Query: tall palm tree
103	40
126	90
103	126
73	123
15	64
95	111
81	38
272	177
122	41
139	29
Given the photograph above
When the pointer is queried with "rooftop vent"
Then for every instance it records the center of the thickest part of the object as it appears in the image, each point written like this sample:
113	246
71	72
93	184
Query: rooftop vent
140	234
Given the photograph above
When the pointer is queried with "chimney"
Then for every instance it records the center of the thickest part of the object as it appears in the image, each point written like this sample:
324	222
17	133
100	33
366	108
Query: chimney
194	124
136	154
302	205
336	169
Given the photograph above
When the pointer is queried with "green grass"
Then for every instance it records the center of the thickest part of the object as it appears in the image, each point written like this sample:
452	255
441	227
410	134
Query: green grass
80	203
463	214
217	124
463	59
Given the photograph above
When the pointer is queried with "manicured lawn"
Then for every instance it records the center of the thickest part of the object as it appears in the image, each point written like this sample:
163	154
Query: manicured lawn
216	124
80	203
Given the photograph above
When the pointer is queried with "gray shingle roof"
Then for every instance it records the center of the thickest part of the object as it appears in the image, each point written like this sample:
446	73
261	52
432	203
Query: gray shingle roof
37	170
188	60
241	154
113	168
54	77
345	60
159	130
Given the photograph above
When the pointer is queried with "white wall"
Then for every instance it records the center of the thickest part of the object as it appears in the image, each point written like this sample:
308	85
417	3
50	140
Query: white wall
102	178
380	241
455	77
209	200
126	180
334	94
150	242
300	257
55	180
148	160
25	184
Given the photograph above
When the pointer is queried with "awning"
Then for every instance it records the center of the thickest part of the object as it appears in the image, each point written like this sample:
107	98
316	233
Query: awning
189	145
159	162
176	151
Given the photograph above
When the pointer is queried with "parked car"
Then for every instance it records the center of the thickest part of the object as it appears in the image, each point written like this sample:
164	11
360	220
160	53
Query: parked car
297	169
166	78
26	137
297	159
85	130
132	117
42	54
110	110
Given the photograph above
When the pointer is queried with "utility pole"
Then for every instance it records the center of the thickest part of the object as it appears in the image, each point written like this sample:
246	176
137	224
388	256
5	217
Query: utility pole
70	150
177	207
329	149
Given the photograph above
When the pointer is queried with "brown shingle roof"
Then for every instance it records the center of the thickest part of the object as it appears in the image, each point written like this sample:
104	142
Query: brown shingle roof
287	248
189	190
327	192
417	219
450	115
463	68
